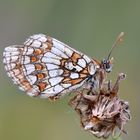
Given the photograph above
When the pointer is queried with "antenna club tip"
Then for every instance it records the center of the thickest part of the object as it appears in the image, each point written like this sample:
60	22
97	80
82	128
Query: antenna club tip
120	37
111	60
122	34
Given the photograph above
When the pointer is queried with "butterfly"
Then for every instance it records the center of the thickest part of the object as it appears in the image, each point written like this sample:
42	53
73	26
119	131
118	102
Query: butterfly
48	68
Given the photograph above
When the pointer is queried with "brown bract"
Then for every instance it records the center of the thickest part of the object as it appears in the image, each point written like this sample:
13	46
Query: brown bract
102	114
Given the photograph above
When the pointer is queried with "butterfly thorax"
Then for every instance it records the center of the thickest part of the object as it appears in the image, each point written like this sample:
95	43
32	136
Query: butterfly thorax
98	71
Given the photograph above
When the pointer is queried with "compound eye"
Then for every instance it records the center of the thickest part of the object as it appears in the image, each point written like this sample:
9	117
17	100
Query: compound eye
107	65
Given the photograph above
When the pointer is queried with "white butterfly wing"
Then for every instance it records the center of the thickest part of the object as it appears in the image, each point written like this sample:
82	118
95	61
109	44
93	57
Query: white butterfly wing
46	67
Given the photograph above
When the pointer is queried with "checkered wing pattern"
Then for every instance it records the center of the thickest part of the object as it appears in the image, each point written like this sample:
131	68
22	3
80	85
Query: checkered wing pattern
46	67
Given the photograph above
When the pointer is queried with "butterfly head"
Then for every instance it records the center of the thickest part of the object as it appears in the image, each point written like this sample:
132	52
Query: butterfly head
107	64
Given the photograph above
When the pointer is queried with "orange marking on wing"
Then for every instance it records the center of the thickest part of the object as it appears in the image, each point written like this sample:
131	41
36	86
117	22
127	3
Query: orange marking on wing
83	75
18	66
16	71
25	83
42	86
33	59
75	56
63	62
76	81
38	67
66	73
49	39
66	80
85	71
40	75
49	44
37	51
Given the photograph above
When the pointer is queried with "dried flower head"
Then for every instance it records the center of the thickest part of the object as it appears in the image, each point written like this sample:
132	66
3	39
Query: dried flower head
104	113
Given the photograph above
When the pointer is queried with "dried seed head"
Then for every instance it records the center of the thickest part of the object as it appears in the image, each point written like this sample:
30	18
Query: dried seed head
103	113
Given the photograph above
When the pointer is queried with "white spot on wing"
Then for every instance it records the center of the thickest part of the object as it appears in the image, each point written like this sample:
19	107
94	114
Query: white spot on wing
65	85
58	52
87	59
51	60
36	44
78	68
58	88
52	66
74	75
29	68
51	55
11	48
43	39
82	63
28	51
26	60
58	45
70	66
54	73
55	80
68	51
32	79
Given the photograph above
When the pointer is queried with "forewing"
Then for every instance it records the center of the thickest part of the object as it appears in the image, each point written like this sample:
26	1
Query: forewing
46	67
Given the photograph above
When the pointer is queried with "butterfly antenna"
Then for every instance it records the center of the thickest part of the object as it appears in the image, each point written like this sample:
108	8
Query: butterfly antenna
117	41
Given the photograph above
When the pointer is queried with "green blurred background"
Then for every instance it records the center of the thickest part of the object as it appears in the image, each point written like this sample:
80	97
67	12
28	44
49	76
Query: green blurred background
90	26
